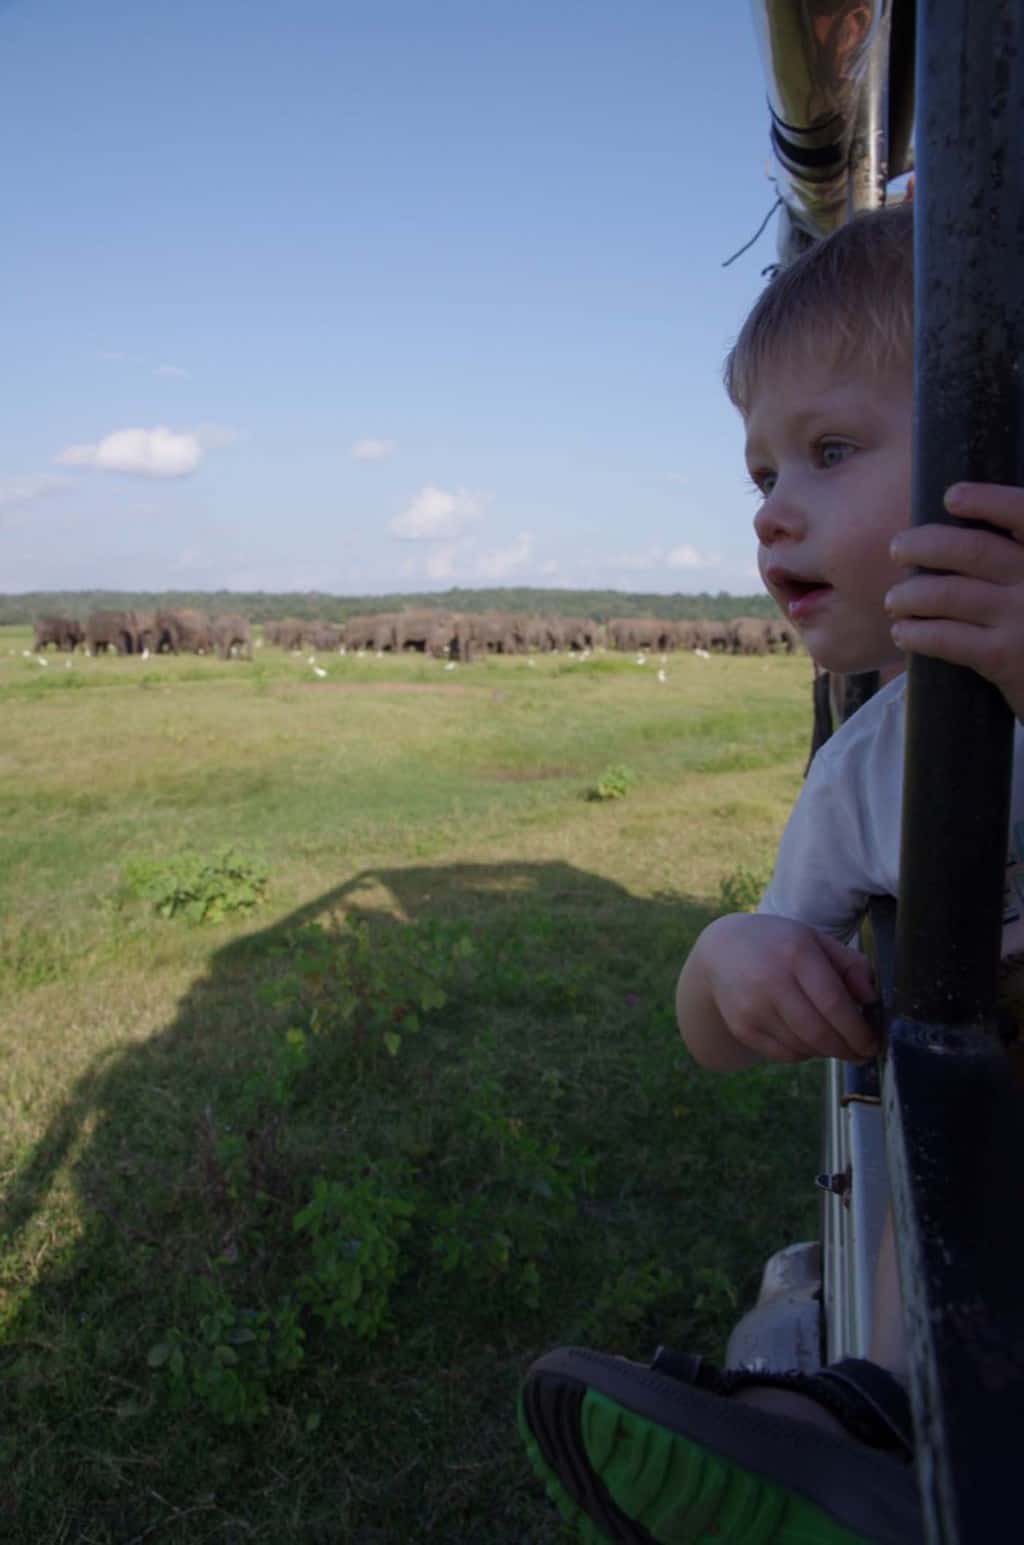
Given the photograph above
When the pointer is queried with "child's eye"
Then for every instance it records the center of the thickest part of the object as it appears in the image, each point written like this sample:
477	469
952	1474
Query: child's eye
762	481
832	452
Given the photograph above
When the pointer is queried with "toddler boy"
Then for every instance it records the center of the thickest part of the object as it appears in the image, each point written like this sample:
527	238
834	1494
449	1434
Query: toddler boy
822	375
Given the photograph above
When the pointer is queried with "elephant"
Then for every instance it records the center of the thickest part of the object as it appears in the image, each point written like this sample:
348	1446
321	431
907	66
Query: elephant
183	630
693	633
61	632
783	635
359	632
542	634
286	632
750	635
414	630
232	635
579	632
325	635
438	633
501	632
451	638
618	631
492	635
145	632
375	632
641	633
111	630
719	640
383	637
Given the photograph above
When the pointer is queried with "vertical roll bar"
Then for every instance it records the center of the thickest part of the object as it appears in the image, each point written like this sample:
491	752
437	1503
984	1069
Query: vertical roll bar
954	1116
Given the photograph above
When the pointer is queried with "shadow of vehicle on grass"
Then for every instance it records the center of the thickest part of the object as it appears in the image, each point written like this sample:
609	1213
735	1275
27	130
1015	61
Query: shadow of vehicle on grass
492	1045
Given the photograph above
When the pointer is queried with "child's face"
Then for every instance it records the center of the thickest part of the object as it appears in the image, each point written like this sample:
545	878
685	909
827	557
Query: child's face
830	452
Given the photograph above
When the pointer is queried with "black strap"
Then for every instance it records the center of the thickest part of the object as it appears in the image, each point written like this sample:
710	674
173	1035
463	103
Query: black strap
870	1403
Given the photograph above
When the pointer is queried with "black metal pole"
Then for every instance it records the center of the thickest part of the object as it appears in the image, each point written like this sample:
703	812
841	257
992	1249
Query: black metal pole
955	1119
969	324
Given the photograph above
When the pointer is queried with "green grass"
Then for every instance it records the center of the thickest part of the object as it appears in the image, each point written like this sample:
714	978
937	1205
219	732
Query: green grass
455	1001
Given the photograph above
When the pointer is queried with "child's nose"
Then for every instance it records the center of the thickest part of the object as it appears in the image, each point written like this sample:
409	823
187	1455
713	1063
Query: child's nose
778	520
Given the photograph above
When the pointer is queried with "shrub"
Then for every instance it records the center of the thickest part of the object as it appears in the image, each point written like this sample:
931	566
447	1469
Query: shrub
614	783
741	890
353	1233
380	992
201	888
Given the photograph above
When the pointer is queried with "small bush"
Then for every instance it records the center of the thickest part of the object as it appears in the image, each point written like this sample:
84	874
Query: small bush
741	890
614	783
379	992
353	1233
201	888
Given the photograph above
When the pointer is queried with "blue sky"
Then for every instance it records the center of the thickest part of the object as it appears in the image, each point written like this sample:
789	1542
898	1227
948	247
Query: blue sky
364	297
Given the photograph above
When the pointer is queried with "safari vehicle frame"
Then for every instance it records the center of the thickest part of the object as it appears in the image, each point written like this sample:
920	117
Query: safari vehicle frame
859	92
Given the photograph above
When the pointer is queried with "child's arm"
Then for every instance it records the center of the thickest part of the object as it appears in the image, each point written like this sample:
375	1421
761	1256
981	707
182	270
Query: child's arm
759	988
973	614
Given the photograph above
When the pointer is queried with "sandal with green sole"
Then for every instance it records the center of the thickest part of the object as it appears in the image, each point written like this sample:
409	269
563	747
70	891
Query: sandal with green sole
660	1455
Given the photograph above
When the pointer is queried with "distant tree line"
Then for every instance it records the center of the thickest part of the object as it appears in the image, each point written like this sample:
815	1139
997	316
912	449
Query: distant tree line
263	606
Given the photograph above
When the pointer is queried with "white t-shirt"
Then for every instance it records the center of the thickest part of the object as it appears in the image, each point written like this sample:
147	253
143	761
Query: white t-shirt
842	842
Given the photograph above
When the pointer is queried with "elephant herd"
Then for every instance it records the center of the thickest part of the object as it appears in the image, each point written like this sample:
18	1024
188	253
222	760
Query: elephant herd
182	631
447	635
740	635
453	635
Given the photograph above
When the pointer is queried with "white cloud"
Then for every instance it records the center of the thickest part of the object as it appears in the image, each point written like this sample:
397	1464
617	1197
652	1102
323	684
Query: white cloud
158	452
373	450
112	355
18	492
686	557
435	515
172	372
497	564
441	563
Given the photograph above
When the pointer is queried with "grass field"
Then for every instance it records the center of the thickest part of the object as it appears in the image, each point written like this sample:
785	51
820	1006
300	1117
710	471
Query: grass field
292	1198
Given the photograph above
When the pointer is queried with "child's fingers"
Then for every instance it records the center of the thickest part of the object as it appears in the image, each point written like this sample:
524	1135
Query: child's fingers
850	964
859	978
838	981
782	1025
1000	503
770	1048
984	555
983	649
822	1017
949	596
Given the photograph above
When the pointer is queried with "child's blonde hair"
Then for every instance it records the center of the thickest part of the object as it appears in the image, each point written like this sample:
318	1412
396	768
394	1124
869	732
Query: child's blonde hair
852	293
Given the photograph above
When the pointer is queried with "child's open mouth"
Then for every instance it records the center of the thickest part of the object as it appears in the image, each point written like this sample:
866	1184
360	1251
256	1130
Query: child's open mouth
802	606
798	596
804	596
